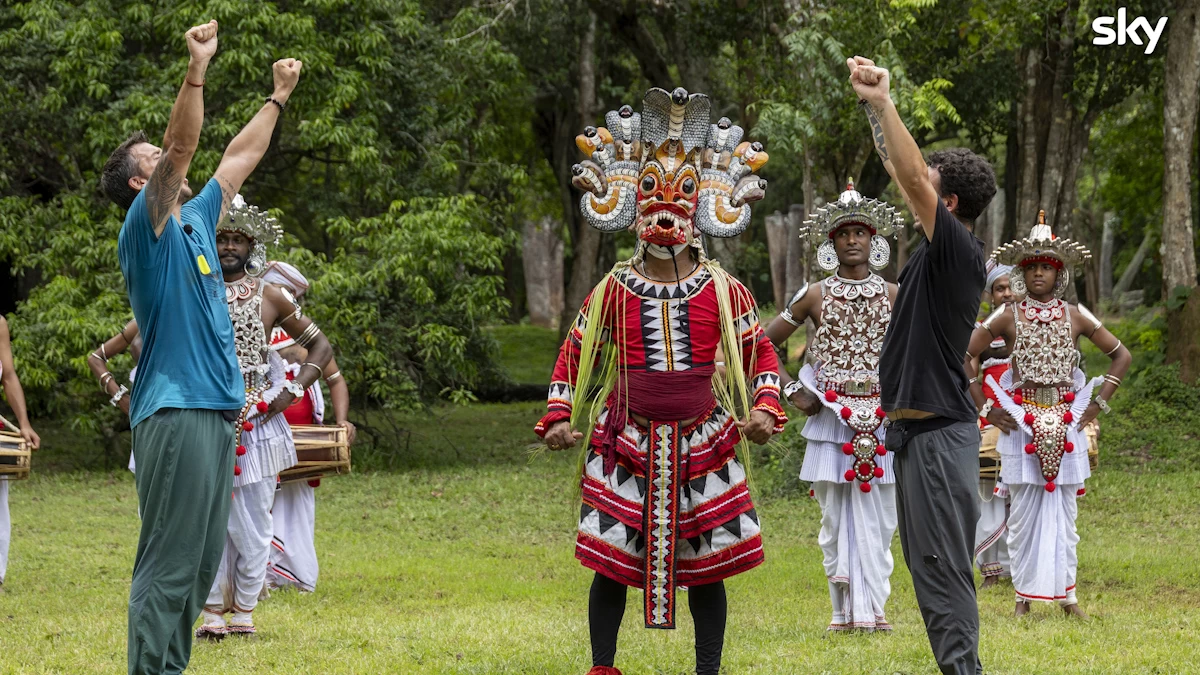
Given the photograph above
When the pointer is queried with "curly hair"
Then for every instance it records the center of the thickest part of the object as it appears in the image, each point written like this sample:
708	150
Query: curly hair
967	175
120	167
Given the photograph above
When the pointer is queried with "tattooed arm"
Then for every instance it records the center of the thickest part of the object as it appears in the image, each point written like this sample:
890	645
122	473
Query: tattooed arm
881	149
251	143
908	165
183	130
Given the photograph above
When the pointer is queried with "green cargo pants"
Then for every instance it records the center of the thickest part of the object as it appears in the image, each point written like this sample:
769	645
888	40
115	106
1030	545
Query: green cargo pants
184	481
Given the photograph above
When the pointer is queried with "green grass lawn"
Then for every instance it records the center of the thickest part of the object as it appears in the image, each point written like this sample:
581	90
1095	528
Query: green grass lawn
465	565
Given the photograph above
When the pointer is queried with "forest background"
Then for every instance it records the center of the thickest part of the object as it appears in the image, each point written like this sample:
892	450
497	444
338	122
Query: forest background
422	171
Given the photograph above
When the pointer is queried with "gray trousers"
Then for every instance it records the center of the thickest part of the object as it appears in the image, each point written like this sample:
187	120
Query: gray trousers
937	509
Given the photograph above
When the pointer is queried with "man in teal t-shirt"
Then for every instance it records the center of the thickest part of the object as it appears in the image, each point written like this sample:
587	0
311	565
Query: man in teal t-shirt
189	389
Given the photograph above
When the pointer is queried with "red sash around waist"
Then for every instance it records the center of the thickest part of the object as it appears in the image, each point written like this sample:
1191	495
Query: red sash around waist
660	396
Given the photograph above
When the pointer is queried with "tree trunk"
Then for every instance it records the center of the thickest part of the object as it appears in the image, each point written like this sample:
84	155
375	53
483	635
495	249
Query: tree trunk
1135	266
542	257
777	252
1027	192
810	205
1062	116
797	251
1012	178
1106	254
585	243
1181	88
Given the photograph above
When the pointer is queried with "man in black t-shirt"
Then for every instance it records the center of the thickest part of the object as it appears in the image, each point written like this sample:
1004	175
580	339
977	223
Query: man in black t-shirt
933	428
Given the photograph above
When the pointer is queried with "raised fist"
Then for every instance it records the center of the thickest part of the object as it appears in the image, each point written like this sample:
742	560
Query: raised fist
287	74
870	82
202	41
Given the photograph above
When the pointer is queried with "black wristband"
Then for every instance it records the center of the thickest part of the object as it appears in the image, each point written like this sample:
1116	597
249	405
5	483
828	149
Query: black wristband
282	106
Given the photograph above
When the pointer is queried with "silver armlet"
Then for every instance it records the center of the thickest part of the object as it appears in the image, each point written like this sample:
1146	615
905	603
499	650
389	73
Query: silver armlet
1113	350
987	323
1085	313
786	314
335	376
288	294
306	338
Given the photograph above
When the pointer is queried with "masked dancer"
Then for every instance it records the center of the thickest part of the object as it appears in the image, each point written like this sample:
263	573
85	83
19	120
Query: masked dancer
665	501
844	459
1042	447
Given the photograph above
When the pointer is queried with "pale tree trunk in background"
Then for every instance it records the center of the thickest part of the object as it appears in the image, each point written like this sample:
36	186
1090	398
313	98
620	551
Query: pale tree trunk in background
1027	192
777	251
542	257
1062	115
1135	266
810	204
796	249
586	244
1181	88
1107	240
725	251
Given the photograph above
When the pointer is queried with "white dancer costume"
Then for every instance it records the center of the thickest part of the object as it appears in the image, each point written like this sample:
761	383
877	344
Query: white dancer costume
856	489
293	551
991	533
265	449
1045	464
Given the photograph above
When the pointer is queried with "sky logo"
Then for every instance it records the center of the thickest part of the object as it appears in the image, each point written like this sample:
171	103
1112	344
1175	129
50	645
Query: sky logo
1106	35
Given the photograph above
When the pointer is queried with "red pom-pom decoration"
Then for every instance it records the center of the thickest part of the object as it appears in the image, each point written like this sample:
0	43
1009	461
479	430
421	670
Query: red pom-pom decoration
879	472
1	424
1018	398
1069	446
847	448
237	470
241	450
831	396
849	474
846	413
880	413
1049	487
262	406
864	469
1030	448
314	483
1081	492
812	493
865	487
1029	418
880	450
247	426
1068	417
1069	397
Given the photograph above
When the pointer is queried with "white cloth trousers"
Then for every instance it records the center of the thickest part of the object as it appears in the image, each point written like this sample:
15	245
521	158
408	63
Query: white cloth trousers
991	535
5	529
1042	540
242	574
293	551
856	538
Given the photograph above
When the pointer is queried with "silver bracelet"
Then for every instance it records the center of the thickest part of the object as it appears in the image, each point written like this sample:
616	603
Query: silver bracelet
119	395
320	370
295	387
335	376
987	408
791	388
1104	405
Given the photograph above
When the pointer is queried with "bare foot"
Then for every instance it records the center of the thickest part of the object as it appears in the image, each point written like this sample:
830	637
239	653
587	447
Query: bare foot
1022	608
1073	610
988	582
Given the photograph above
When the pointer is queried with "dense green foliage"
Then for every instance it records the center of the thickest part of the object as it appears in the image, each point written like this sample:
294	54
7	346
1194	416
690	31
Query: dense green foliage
424	133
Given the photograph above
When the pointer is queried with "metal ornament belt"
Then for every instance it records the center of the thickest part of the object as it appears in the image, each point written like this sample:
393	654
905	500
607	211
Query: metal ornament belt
1048	414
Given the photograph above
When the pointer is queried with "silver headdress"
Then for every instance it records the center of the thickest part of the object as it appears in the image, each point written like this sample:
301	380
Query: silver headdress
259	227
851	208
1042	246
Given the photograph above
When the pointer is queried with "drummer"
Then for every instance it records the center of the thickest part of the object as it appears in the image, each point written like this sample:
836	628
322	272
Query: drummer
265	445
293	560
991	533
16	401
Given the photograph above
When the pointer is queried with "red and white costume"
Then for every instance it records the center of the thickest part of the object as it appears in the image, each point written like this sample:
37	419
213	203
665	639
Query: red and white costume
667	504
991	534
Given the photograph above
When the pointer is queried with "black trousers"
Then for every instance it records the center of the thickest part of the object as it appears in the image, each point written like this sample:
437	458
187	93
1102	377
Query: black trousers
937	508
606	607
